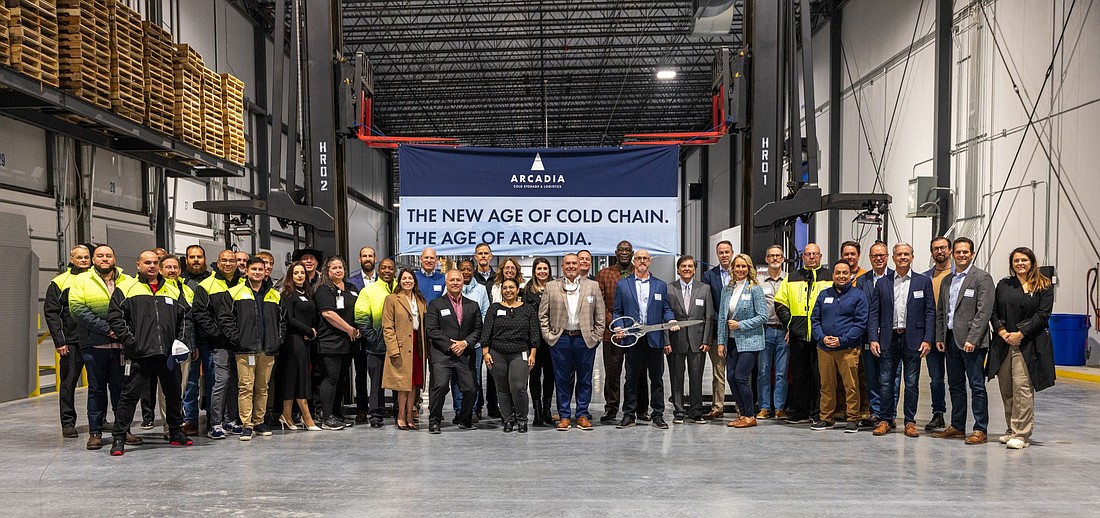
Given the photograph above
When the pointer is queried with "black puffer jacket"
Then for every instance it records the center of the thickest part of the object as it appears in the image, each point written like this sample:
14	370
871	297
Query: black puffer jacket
253	322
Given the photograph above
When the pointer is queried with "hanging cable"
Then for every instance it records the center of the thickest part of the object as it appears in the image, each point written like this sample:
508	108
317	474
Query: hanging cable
1031	122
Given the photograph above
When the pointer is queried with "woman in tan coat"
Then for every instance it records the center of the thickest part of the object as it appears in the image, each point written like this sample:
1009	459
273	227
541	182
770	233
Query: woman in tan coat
403	331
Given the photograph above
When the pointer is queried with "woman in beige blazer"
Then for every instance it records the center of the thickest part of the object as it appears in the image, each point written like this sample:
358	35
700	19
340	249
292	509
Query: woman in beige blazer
403	331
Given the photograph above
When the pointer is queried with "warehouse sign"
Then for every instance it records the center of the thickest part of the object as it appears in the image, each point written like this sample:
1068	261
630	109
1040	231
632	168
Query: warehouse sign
538	201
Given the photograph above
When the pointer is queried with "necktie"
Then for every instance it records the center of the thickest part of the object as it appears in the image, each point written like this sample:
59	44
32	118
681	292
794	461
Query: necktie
687	297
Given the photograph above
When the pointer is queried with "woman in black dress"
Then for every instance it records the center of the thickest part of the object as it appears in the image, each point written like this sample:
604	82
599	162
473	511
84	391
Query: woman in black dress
509	341
301	327
1021	355
542	373
335	336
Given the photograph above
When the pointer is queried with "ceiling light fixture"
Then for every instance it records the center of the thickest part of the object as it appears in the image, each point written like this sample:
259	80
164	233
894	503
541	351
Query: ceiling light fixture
666	73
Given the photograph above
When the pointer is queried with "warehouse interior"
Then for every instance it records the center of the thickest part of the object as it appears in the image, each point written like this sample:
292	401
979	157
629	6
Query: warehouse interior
175	122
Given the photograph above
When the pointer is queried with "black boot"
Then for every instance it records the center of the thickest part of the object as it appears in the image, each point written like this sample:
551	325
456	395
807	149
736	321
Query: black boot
547	412
537	421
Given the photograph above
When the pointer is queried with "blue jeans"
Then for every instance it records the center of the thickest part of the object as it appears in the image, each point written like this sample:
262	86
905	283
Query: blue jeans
871	372
936	370
738	373
775	351
892	354
573	362
456	393
191	392
106	376
965	369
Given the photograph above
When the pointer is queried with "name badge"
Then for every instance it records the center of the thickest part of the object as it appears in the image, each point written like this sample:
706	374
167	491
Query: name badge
918	294
747	296
445	312
437	288
828	300
340	302
656	296
168	300
246	296
501	312
304	298
126	368
252	360
524	355
767	288
699	302
969	293
590	299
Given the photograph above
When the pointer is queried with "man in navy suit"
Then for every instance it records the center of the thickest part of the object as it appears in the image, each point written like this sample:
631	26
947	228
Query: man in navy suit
644	298
717	278
902	329
871	400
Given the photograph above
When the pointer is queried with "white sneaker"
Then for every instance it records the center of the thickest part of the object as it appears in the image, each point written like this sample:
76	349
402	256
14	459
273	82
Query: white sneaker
1005	438
1017	443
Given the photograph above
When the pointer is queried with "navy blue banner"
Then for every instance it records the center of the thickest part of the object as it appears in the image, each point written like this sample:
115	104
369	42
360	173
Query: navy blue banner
644	172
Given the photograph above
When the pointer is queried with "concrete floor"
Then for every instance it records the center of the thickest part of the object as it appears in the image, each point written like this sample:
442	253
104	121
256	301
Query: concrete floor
700	470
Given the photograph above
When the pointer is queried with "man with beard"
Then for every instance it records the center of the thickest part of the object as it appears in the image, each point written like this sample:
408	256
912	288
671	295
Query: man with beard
221	411
196	271
936	361
485	274
63	331
370	359
366	275
89	301
242	261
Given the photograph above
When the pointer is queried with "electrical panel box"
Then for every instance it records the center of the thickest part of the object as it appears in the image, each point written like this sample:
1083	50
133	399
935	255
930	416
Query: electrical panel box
923	197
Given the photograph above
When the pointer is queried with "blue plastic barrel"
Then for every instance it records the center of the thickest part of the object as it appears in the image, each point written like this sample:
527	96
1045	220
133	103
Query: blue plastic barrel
1069	335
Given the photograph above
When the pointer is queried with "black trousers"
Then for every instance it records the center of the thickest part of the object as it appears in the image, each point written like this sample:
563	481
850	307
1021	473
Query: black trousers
804	392
489	394
613	360
541	379
368	384
71	366
149	402
443	368
690	363
640	360
334	373
137	383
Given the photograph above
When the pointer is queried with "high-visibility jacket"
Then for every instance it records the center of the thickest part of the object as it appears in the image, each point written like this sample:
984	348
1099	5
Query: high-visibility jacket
795	300
55	309
253	322
89	300
146	321
208	295
368	316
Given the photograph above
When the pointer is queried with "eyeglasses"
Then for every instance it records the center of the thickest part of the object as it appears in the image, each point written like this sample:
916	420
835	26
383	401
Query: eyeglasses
777	256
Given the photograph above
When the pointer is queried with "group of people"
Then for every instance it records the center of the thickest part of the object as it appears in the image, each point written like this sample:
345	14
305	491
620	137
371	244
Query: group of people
788	345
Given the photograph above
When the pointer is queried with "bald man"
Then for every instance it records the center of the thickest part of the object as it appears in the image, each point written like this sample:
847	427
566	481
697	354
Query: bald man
428	279
794	303
62	328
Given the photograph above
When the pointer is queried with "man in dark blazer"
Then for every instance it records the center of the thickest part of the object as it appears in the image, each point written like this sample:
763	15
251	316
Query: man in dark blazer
453	325
870	400
962	332
644	298
902	328
689	300
717	278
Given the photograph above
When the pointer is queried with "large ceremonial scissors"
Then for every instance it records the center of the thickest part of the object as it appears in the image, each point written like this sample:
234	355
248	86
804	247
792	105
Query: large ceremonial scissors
633	330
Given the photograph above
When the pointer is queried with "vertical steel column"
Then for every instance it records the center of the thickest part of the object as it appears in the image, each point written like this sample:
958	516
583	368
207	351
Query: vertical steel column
836	119
261	159
941	123
765	140
324	149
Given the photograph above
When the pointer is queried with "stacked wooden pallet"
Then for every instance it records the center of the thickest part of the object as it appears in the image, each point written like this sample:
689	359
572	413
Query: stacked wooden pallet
233	118
213	133
187	78
33	39
5	42
85	49
157	55
127	79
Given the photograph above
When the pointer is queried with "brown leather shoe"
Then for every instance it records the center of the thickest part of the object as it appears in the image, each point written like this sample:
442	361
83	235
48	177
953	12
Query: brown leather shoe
911	430
733	423
745	422
133	440
583	423
882	428
190	428
780	414
714	414
950	433
978	437
360	417
95	440
563	425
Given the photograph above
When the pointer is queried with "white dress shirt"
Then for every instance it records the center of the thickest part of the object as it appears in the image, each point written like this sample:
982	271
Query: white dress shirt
901	298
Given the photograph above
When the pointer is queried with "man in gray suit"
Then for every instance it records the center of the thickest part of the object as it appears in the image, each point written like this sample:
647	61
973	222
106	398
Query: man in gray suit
572	321
962	331
689	300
